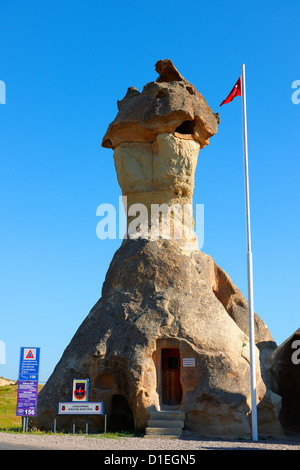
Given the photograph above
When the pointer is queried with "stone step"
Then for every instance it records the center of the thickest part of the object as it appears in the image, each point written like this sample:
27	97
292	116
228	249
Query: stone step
166	423
163	415
164	431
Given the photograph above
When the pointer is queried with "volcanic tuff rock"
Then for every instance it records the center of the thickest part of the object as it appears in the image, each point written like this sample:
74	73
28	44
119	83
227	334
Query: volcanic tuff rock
162	107
156	138
163	295
159	177
156	296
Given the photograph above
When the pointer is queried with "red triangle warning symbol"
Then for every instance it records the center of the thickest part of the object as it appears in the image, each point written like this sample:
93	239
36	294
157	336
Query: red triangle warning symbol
30	355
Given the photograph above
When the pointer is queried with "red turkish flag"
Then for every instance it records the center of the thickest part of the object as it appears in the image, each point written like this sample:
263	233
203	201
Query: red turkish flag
236	91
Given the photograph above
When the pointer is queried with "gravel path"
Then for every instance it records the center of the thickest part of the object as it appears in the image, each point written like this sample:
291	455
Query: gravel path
96	442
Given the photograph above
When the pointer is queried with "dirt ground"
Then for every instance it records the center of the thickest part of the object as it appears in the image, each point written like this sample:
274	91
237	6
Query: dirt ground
187	442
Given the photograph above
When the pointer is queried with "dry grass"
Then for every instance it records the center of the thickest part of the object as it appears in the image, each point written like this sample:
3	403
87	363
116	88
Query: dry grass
8	405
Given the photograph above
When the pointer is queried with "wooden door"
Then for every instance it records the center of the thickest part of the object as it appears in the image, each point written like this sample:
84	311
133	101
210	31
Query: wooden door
171	386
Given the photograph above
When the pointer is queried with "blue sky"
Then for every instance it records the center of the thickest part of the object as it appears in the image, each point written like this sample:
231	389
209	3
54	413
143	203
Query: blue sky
65	65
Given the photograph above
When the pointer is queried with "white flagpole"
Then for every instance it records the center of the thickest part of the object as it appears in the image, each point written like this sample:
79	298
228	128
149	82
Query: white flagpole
249	270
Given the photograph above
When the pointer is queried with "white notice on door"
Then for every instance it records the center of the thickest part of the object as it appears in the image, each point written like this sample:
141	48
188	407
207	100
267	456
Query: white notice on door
188	362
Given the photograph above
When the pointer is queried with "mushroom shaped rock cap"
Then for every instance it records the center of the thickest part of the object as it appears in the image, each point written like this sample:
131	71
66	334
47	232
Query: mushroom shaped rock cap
170	104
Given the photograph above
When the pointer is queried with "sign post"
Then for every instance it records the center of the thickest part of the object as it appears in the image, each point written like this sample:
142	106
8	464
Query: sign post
80	390
74	408
29	364
80	404
28	384
27	398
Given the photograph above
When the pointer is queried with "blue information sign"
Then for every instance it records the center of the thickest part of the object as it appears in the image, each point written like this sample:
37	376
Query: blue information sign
29	364
27	398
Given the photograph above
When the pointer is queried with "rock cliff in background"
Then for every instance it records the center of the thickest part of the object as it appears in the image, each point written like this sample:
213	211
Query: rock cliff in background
162	294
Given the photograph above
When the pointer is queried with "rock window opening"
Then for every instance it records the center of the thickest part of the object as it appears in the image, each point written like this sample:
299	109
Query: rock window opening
186	127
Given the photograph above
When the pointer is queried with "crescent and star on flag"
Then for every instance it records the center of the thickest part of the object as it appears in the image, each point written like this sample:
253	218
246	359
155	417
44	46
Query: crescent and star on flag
236	91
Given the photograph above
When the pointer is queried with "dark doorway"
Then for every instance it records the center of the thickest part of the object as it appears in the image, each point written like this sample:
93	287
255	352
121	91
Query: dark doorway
121	417
171	386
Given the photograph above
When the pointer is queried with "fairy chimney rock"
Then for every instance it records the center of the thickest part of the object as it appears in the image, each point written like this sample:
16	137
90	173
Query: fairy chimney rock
156	137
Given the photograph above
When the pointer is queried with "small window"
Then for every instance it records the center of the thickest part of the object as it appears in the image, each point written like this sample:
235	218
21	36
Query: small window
186	127
173	363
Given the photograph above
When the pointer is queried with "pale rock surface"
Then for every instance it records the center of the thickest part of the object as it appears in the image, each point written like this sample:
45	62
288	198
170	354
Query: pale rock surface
4	382
165	293
155	296
159	176
161	107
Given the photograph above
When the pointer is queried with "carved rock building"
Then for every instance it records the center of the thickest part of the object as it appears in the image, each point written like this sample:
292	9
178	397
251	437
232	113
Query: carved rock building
170	331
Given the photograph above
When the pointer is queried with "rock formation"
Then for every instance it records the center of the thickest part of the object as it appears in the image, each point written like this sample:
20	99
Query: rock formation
170	330
163	106
285	381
